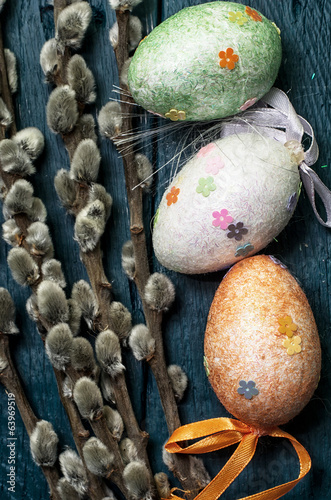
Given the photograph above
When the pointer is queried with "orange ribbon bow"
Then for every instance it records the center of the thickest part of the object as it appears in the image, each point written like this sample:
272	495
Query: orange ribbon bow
219	433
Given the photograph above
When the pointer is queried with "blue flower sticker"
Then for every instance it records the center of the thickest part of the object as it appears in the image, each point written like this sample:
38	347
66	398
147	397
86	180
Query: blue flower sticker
244	250
247	389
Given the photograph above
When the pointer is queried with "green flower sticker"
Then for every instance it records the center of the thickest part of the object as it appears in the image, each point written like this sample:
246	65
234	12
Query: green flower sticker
156	216
206	185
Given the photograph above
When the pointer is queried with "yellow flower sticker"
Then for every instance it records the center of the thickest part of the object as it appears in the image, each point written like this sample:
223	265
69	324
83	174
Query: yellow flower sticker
287	326
292	345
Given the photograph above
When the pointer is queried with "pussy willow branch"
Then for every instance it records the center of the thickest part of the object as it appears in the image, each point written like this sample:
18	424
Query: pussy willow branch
11	381
182	470
80	434
102	289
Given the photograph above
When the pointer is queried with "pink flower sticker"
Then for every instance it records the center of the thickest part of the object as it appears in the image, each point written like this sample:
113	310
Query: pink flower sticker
214	165
248	104
222	219
206	150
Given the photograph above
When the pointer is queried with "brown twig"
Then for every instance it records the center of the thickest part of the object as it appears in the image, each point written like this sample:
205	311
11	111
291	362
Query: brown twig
11	381
5	90
183	469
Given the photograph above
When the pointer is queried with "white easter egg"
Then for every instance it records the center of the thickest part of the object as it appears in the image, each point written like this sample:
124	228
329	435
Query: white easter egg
229	201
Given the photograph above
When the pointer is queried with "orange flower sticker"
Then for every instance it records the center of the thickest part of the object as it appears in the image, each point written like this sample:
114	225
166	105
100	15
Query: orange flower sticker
172	197
228	58
253	14
287	326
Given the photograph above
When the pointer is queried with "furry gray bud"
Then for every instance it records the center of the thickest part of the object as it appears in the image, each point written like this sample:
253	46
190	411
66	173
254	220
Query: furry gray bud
32	308
3	189
68	387
128	260
7	313
198	471
6	118
90	225
159	292
49	59
3	364
123	5
97	457
62	111
81	80
107	387
52	271
14	160
31	140
24	269
86	300
168	459
73	470
86	162
59	343
86	126
66	188
144	170
11	70
38	211
2	3
66	491
124	76
162	485
114	421
141	342
108	352
136	479
178	379
135	33
82	356
40	241
121	319
19	198
52	303
11	233
110	119
75	315
88	398
72	24
43	444
128	451
98	192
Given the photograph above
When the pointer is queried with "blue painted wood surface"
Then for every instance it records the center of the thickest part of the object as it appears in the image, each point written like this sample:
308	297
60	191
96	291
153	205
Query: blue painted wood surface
304	246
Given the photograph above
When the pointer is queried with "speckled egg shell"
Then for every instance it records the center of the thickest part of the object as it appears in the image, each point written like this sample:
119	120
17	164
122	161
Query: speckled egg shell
243	343
229	201
178	65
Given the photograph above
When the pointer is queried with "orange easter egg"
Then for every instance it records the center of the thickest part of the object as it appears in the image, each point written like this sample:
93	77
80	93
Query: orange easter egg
262	350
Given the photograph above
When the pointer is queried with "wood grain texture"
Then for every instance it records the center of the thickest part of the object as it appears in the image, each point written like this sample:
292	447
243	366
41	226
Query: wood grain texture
304	246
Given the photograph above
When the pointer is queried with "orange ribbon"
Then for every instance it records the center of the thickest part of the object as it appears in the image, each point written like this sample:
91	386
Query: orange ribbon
219	433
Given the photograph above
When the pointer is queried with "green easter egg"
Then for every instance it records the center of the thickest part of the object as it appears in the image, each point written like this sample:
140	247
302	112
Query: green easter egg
205	62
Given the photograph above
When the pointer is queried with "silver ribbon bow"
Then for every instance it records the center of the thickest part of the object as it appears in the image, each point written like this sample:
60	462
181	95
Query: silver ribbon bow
281	122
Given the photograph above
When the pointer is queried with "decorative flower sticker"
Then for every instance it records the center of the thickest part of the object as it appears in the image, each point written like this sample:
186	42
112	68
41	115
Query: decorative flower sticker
206	150
228	58
237	231
174	115
277	29
172	197
156	216
292	201
214	165
253	14
244	250
237	17
206	186
205	364
287	326
247	389
292	345
248	103
222	219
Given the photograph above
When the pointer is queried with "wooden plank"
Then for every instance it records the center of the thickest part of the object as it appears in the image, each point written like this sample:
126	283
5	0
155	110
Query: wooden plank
304	246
